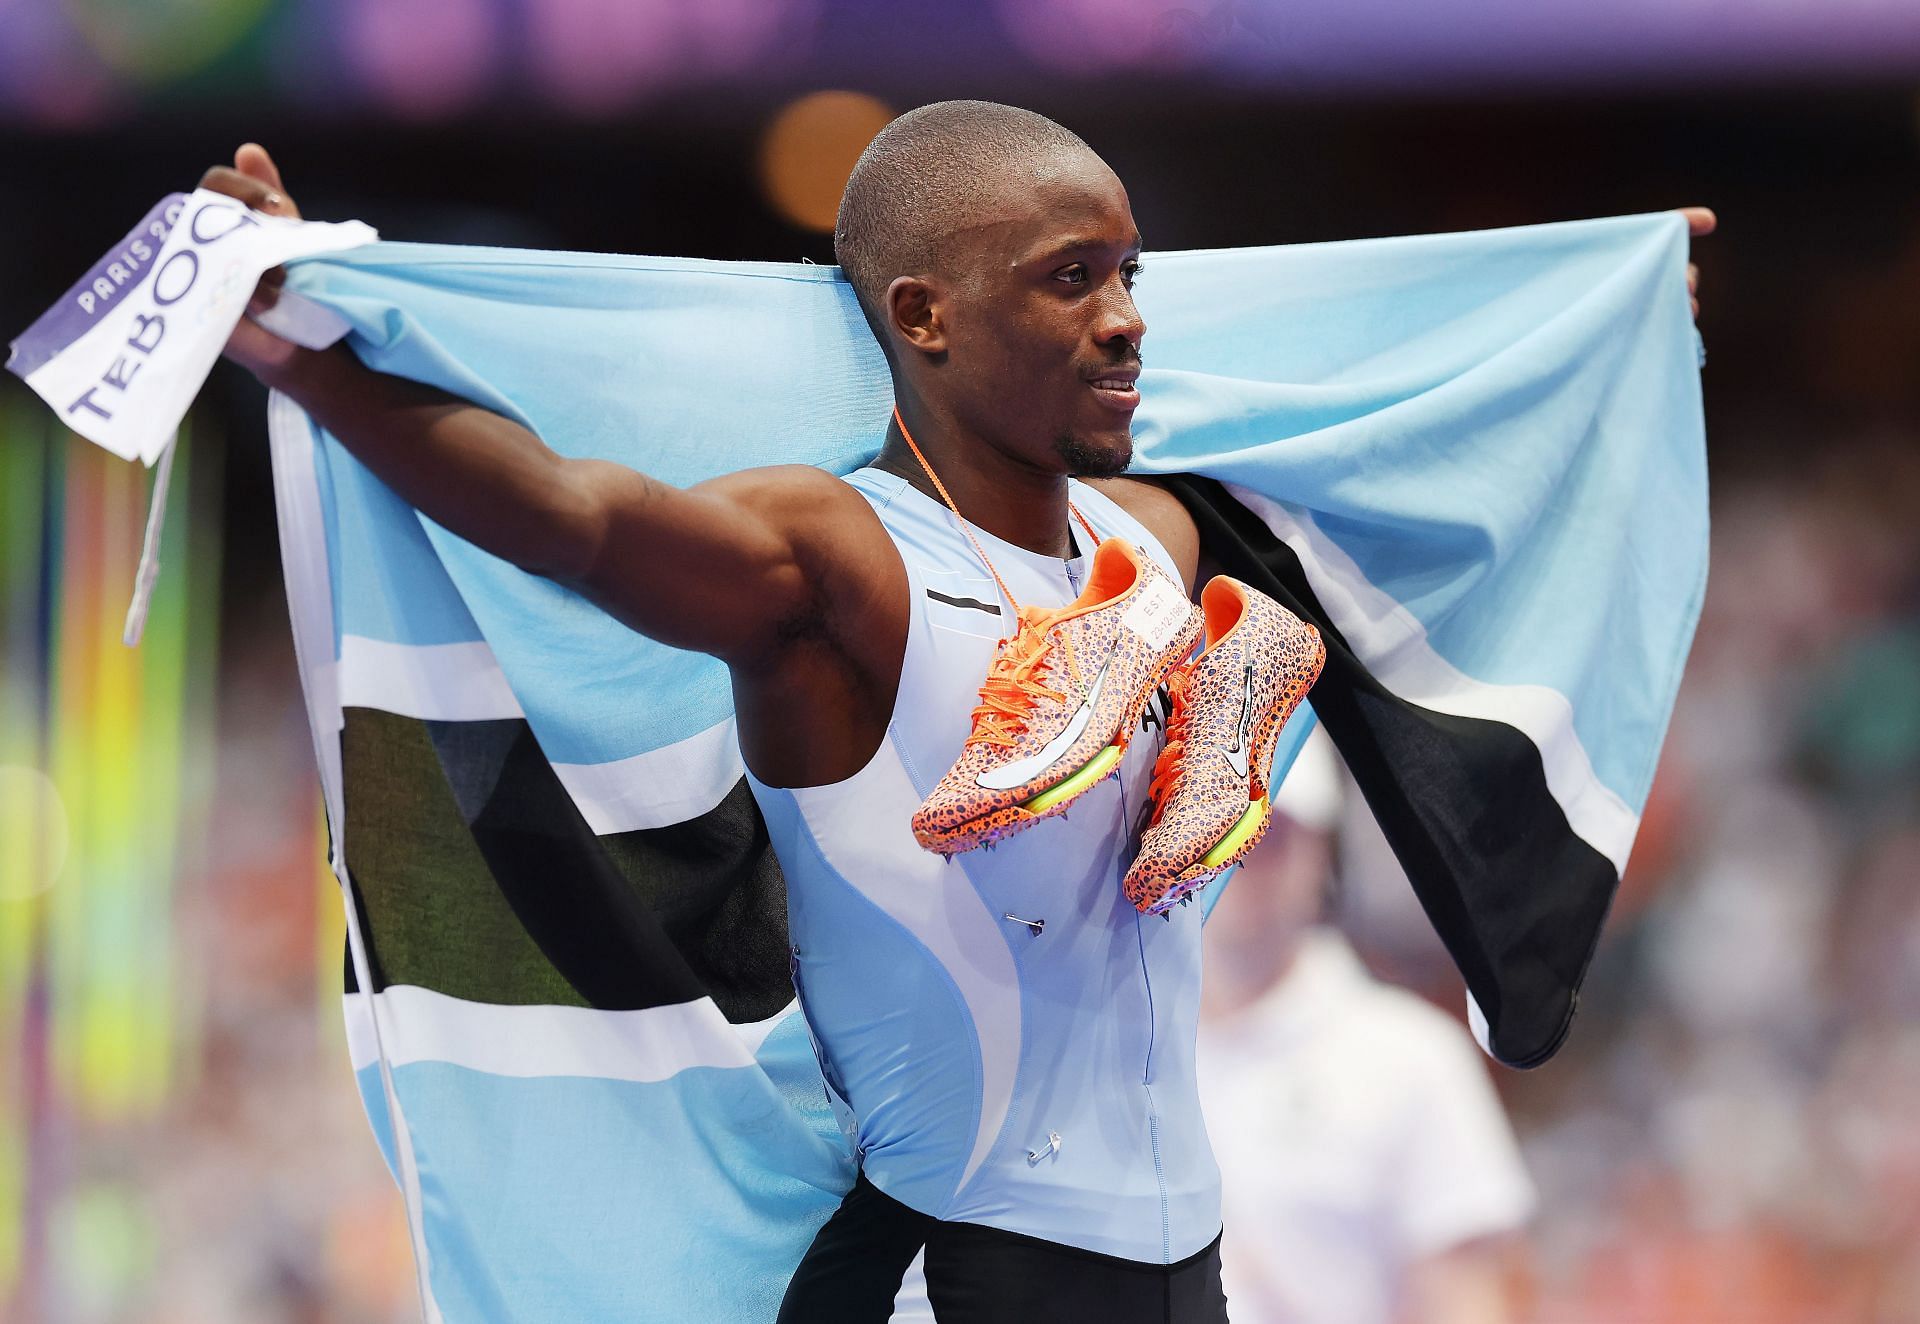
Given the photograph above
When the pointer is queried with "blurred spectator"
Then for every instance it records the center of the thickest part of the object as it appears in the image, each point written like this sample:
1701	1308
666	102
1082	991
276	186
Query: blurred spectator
1370	1174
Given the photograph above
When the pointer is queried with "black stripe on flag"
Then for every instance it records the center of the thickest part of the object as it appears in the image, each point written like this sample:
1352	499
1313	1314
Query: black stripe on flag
477	877
1516	896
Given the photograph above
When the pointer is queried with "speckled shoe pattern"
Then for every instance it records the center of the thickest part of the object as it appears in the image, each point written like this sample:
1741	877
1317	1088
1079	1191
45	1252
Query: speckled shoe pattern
1210	788
1061	699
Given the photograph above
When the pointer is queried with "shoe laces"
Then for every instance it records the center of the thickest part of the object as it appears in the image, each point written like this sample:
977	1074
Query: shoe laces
1015	681
1172	760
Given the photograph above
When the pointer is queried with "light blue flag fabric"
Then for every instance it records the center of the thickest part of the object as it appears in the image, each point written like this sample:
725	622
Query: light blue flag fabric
1475	460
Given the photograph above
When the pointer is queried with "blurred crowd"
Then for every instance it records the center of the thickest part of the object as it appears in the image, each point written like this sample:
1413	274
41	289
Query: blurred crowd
1732	1136
256	1194
1729	1134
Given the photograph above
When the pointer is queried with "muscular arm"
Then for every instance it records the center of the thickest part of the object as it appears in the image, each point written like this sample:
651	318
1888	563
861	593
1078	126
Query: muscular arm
733	567
785	573
728	567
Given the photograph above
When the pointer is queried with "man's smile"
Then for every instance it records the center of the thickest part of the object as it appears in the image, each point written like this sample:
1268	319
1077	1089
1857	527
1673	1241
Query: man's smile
1116	388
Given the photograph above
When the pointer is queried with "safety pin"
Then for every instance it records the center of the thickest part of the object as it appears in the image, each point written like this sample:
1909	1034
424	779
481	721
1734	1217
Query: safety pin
1053	1147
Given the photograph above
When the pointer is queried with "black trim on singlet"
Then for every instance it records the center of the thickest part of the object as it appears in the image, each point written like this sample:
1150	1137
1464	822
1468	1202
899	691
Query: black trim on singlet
983	1275
973	603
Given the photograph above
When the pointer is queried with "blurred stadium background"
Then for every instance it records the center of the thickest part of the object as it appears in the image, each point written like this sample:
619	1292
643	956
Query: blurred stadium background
1731	1133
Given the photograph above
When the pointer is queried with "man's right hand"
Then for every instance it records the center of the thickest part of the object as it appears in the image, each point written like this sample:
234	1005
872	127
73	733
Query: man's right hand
255	180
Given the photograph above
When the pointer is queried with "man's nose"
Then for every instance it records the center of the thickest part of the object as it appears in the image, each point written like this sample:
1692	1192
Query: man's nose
1119	318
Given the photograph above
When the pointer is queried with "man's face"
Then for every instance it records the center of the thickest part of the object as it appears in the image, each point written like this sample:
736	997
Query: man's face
1043	336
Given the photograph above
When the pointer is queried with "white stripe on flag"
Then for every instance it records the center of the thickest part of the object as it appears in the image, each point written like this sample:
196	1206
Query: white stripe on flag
754	1033
434	682
660	787
654	1043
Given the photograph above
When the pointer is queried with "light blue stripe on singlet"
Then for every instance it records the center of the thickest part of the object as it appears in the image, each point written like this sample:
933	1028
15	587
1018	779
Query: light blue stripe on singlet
874	982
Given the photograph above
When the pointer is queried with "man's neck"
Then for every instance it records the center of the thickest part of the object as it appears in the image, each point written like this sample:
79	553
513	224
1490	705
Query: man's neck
1012	500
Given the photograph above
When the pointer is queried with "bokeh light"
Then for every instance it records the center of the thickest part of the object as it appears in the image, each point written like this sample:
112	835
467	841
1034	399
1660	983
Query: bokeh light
157	40
34	833
1093	36
104	1239
809	149
598	56
422	58
46	70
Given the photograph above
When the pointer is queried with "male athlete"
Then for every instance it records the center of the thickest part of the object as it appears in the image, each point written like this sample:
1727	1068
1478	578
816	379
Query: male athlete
1010	1041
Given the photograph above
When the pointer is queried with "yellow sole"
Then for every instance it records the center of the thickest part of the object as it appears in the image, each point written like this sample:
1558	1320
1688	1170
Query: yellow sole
1237	836
1091	772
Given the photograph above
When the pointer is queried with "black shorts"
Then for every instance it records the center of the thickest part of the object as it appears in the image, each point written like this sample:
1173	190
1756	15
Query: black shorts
982	1275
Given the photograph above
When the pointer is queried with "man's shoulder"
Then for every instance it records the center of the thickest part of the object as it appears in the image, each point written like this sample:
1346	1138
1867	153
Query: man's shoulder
1161	513
786	482
800	499
1135	493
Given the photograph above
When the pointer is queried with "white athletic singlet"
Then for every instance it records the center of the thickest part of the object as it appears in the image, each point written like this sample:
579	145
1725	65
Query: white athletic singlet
1012	1043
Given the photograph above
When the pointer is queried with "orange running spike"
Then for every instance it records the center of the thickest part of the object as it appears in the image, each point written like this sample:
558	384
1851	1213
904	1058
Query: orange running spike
1210	785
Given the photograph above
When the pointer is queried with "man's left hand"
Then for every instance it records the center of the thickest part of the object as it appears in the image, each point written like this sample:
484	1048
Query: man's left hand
1700	223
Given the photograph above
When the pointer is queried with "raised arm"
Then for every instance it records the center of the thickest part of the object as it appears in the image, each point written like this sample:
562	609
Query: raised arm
734	567
728	567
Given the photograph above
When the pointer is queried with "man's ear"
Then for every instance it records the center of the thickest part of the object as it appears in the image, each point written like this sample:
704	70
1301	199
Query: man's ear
914	313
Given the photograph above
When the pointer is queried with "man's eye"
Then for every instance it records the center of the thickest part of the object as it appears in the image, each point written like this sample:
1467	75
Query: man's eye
1077	273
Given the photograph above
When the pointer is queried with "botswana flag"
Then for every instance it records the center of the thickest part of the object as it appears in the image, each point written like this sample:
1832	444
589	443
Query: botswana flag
1475	461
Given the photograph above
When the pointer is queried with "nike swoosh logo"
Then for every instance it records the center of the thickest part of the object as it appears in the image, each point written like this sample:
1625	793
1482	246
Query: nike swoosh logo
1021	771
1237	753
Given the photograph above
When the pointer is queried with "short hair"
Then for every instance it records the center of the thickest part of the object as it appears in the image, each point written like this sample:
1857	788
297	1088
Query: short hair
923	178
